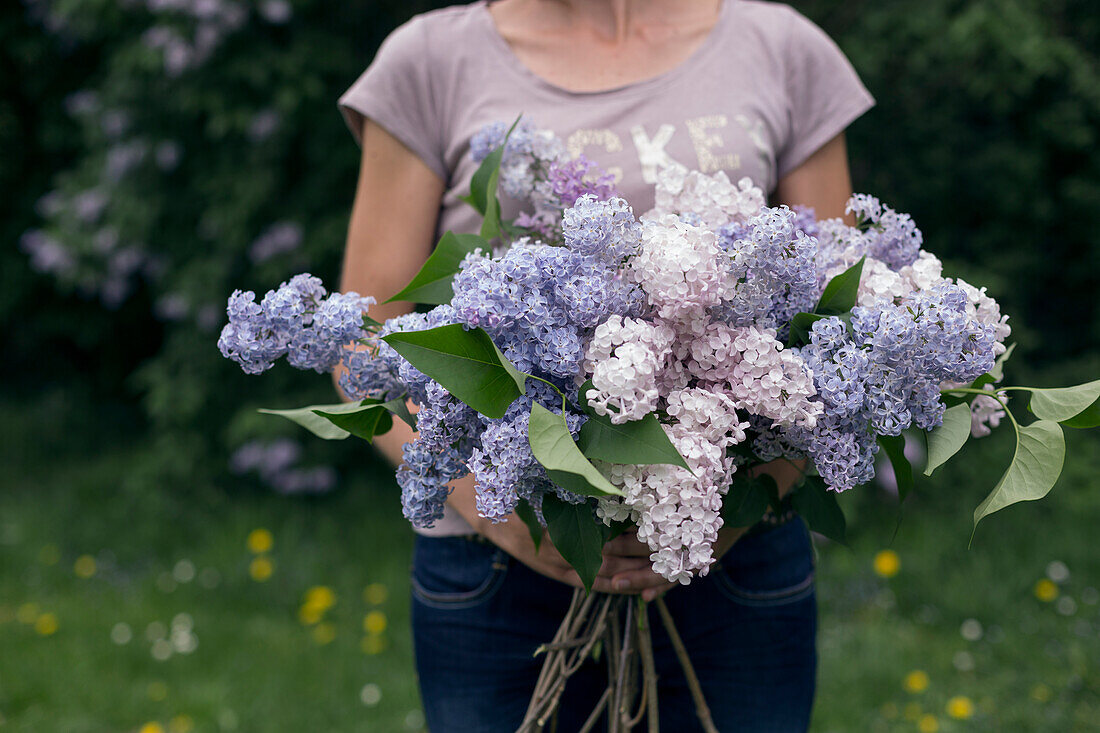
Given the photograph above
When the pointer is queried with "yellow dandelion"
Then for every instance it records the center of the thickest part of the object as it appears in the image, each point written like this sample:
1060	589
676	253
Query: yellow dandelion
151	728
260	541
156	690
49	555
181	724
375	594
310	615
1041	693
84	567
928	723
912	711
1046	590
261	569
46	624
374	622
27	613
916	681
373	644
324	633
960	707
320	597
887	563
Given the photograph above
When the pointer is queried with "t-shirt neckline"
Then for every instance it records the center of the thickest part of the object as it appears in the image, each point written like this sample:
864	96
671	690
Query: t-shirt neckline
516	66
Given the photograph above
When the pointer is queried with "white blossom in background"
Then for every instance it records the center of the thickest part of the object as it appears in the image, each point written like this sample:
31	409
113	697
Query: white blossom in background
275	11
279	238
263	124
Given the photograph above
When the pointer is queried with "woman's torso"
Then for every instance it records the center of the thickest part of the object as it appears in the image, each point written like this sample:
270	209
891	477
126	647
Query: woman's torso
710	113
757	95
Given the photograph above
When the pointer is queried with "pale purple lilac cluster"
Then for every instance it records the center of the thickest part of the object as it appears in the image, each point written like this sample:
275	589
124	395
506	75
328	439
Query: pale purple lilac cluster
274	462
299	320
536	168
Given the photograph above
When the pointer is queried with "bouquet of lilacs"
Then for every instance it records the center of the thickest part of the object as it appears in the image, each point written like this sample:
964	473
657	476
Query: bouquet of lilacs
598	371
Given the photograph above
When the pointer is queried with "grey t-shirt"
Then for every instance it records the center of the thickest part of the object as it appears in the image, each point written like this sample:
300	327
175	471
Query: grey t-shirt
765	90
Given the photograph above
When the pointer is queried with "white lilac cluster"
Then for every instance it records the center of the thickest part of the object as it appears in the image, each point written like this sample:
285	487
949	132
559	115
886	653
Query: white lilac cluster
700	370
710	201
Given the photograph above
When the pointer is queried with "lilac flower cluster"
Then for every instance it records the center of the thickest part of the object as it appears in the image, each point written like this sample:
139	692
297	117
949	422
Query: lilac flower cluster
682	314
503	465
885	373
539	302
297	321
773	264
536	168
274	463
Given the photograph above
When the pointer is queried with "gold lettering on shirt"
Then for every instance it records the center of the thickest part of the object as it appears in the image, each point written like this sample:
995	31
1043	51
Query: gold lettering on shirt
606	139
755	130
651	152
705	142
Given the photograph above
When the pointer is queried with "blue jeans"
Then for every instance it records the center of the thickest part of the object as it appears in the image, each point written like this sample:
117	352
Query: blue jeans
749	628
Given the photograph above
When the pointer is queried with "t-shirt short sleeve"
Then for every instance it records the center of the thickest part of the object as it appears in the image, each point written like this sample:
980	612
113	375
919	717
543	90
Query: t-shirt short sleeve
824	93
395	92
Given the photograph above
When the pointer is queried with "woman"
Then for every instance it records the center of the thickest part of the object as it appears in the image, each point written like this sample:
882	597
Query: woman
751	88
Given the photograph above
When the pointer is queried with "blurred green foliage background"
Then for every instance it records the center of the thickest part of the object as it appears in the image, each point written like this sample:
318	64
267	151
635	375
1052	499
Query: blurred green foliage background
156	154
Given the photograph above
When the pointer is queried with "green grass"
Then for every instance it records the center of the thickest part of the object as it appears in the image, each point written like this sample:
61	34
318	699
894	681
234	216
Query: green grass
257	667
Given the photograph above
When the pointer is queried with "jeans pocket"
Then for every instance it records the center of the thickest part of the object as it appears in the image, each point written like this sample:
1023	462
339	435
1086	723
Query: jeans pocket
773	568
456	573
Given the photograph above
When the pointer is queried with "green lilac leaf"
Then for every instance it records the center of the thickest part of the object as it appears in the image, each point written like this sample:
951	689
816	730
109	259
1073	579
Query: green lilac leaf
399	407
894	445
527	514
554	448
815	503
1087	418
1064	403
839	296
745	503
639	442
466	363
998	370
576	535
312	420
946	440
1035	467
432	285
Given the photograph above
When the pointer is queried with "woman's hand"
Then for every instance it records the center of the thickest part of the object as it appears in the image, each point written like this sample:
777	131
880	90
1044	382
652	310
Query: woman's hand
626	563
626	560
513	536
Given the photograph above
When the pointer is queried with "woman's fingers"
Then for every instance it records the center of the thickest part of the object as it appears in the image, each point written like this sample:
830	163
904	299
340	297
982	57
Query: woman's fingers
638	581
614	565
626	545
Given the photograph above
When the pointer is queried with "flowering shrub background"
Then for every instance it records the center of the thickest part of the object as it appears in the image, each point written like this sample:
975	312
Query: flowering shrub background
187	172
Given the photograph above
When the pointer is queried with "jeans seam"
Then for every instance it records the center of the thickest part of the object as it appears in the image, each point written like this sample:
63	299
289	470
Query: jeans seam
465	599
780	596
